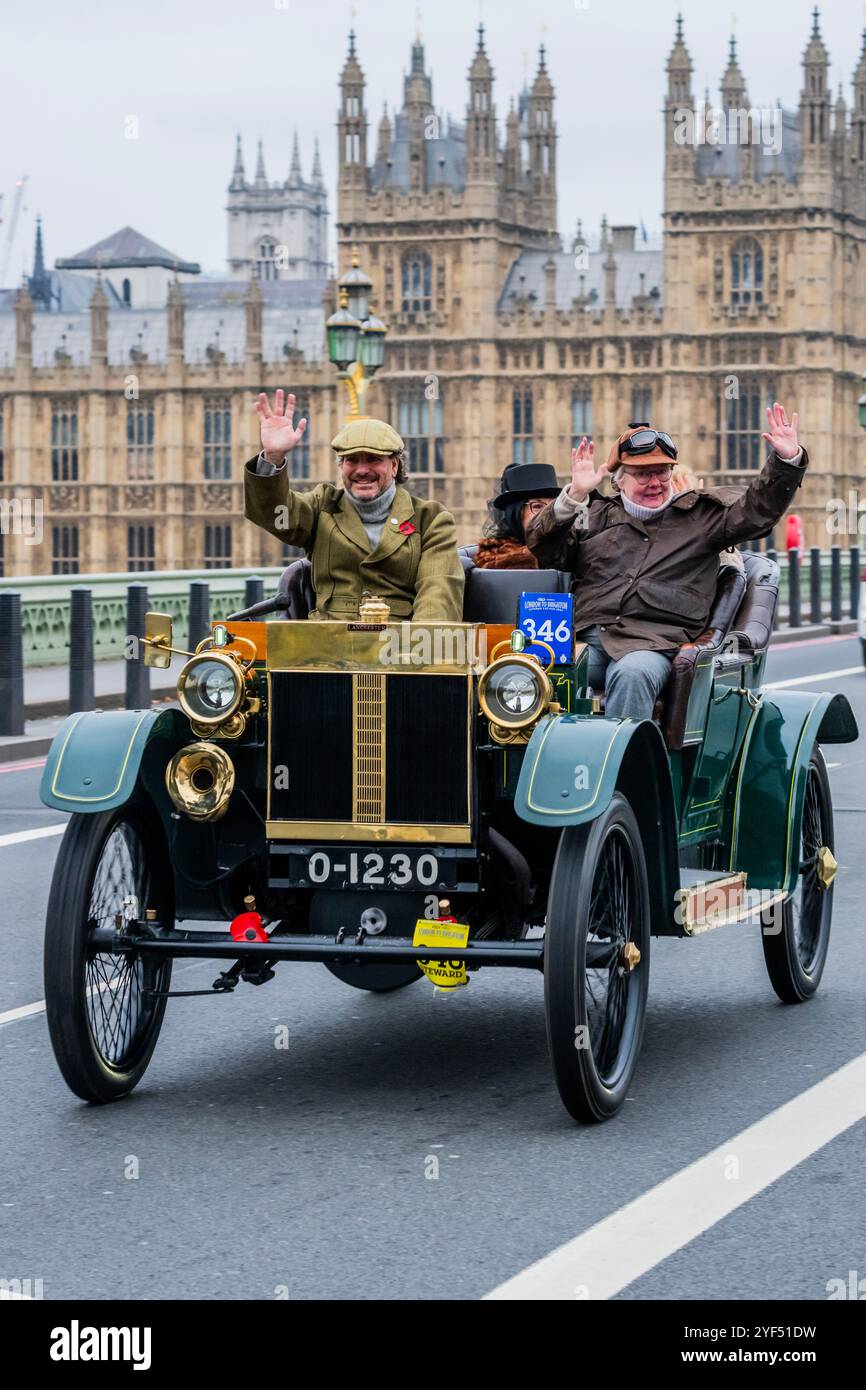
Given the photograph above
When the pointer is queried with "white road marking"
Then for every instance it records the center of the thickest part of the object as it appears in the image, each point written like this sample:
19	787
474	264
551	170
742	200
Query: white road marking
28	1010
819	676
19	836
630	1242
25	1011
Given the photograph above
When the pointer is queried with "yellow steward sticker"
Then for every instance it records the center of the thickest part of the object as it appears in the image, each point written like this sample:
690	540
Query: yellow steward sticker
445	974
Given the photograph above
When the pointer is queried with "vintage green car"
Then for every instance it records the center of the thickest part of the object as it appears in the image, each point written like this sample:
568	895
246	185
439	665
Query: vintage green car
401	800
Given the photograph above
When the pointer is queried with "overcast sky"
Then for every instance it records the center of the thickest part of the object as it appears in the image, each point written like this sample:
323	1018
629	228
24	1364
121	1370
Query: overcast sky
196	71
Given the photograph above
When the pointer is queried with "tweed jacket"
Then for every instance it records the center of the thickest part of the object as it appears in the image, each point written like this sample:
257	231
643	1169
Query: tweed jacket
415	567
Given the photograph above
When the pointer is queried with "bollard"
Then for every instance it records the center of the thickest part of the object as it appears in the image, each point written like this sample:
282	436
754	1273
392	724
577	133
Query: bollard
254	591
835	584
199	612
794	587
771	555
81	687
815	601
11	665
854	580
137	674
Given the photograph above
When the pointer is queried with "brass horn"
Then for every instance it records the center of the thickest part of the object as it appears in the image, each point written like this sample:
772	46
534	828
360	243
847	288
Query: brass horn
200	779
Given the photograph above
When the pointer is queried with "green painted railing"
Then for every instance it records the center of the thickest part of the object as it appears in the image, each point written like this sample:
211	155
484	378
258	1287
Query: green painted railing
45	606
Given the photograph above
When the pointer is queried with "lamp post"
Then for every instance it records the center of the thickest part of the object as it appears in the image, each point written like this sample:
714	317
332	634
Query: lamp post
356	337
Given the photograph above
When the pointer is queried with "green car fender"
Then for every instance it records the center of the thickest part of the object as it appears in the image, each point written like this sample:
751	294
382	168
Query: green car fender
770	783
96	757
572	767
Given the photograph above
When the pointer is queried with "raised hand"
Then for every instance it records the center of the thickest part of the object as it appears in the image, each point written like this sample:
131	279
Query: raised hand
278	433
782	437
584	474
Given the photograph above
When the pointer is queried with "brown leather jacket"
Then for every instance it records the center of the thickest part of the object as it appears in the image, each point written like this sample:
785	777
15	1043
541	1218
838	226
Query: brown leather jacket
649	585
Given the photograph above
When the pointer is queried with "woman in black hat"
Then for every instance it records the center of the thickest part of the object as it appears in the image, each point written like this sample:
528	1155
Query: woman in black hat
525	490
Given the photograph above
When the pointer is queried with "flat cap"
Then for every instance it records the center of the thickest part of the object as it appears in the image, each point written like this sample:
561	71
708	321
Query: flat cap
367	436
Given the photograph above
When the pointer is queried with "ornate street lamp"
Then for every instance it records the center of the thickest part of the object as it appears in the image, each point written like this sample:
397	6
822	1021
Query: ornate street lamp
356	337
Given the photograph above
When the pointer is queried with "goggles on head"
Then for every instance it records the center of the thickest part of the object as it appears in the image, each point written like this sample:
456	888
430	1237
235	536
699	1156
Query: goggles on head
644	441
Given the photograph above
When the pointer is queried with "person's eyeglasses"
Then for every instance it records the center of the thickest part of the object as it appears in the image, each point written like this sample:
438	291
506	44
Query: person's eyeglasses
645	440
534	508
663	472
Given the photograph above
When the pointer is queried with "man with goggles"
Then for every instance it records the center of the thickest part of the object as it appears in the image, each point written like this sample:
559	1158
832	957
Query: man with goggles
645	561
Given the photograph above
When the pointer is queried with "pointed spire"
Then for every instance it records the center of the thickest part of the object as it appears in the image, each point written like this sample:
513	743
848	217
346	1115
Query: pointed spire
733	83
39	283
318	180
238	175
38	254
351	68
815	51
480	63
295	175
383	148
679	69
261	178
542	86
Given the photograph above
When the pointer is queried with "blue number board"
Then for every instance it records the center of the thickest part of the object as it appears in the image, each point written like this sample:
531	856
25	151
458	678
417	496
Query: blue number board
548	617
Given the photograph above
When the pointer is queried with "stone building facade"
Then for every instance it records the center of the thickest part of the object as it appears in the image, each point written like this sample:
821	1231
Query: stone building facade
504	346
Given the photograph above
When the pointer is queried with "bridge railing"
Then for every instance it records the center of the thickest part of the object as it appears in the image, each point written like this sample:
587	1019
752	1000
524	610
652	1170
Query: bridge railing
46	621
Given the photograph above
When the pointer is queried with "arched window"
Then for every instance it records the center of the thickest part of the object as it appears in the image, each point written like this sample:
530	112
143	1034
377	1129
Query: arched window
417	276
265	266
742	404
747	272
127	293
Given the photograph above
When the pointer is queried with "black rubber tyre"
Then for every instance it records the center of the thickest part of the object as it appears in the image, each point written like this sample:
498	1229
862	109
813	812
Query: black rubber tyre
378	979
102	1023
595	1017
796	935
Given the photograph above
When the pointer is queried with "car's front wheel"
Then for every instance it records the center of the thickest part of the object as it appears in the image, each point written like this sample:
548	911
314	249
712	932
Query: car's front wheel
596	961
105	1011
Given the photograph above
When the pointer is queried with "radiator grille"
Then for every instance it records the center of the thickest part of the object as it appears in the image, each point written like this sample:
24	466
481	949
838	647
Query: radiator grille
369	711
369	749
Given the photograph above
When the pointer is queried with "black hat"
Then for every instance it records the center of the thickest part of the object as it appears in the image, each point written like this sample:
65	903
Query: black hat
520	481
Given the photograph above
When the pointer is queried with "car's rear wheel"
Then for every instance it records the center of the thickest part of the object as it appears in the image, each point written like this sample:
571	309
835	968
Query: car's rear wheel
596	961
796	934
378	979
105	1011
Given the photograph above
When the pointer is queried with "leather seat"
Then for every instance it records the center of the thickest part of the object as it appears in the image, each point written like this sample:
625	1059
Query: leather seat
743	611
297	585
493	596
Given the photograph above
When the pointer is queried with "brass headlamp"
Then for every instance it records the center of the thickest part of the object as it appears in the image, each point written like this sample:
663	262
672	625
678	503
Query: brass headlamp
514	692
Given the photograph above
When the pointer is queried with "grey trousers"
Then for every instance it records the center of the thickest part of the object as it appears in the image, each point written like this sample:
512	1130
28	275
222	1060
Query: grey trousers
632	684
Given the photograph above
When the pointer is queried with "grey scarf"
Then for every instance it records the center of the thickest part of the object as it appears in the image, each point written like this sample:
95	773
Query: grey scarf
374	513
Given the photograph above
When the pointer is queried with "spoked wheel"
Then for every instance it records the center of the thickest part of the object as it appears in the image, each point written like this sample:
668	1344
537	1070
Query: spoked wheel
796	934
103	1015
596	961
376	978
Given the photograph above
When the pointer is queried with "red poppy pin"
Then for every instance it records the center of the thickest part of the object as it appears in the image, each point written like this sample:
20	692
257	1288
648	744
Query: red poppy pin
407	528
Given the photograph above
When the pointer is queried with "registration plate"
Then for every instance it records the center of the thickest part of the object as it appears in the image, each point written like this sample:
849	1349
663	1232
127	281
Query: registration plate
362	868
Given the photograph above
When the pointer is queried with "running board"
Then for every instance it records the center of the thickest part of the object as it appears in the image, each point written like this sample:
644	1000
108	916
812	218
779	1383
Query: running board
706	903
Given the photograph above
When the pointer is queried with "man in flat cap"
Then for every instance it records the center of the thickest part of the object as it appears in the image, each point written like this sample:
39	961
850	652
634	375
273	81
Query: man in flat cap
370	534
645	561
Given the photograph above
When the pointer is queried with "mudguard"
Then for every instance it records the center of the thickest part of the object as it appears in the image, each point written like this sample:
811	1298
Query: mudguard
573	765
94	762
770	785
